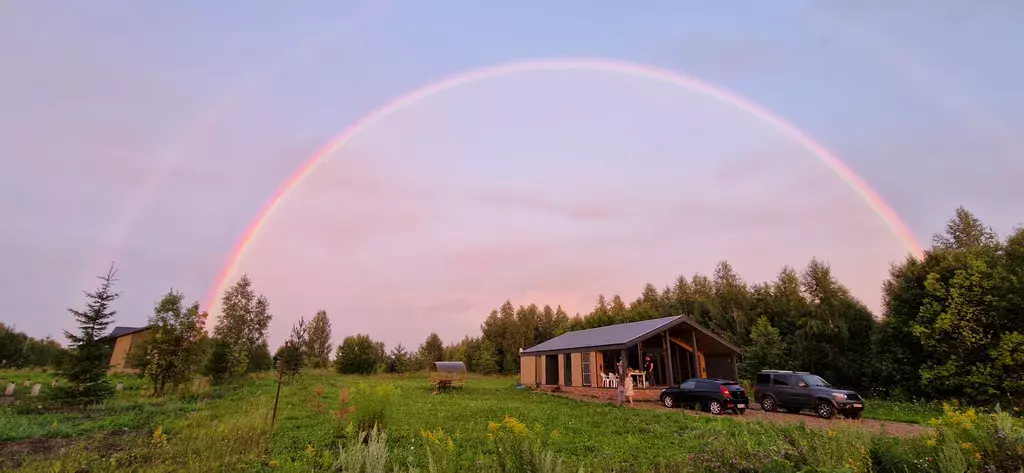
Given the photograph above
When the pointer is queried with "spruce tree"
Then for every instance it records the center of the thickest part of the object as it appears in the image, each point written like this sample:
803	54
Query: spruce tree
88	358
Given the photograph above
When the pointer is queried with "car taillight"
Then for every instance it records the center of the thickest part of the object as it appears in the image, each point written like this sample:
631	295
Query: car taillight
725	391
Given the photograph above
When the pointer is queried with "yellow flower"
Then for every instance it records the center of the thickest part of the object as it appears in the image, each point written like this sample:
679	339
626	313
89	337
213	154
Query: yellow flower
967	425
831	433
966	445
310	450
159	439
54	424
273	464
931	443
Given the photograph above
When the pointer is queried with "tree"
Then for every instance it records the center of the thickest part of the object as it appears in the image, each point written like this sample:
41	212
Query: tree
485	361
260	359
242	327
173	352
318	341
432	349
765	351
18	350
88	358
290	356
965	232
400	361
219	364
357	354
298	342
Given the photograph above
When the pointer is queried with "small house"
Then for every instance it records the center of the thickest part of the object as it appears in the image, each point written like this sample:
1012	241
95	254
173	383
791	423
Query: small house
122	340
678	347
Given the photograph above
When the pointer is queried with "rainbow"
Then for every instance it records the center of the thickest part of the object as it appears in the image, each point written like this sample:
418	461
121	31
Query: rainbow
830	160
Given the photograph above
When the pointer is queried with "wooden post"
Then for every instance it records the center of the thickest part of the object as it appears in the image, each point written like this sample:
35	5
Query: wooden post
35	389
696	359
120	387
668	361
27	383
10	389
735	371
280	375
55	382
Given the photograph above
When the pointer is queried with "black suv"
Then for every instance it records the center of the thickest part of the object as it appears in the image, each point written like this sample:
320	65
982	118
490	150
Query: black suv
794	391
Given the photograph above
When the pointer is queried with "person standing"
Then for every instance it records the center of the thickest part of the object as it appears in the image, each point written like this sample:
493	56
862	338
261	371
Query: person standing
649	371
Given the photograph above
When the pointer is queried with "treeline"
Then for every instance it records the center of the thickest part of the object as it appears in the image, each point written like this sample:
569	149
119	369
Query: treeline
18	350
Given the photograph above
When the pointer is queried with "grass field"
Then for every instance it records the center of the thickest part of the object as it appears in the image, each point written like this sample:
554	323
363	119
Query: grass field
228	429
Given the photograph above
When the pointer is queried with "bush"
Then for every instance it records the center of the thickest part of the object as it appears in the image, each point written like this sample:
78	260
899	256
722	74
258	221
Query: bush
372	406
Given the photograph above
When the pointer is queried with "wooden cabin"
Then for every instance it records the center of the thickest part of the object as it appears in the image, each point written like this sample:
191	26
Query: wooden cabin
679	348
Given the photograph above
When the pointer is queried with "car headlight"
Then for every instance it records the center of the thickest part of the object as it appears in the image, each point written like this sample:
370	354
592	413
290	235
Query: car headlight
840	396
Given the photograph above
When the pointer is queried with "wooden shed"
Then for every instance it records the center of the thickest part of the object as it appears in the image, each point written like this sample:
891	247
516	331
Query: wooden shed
445	375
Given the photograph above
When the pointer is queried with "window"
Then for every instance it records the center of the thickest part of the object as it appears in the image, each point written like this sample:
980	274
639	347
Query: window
689	385
586	368
763	378
781	380
814	380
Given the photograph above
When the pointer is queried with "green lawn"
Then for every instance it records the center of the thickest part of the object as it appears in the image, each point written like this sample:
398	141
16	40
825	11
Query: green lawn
227	428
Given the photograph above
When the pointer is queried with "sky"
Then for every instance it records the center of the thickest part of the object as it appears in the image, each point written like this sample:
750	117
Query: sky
152	134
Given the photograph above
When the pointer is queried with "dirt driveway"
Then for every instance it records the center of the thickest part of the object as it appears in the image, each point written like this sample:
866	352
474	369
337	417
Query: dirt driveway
898	429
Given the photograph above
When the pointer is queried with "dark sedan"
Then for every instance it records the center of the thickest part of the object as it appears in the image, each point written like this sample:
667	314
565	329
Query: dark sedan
711	395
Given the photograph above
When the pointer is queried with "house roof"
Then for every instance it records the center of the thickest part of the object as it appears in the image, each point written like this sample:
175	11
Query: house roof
621	336
122	331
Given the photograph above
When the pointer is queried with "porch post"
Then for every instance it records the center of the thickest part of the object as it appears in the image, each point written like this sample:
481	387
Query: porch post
735	372
668	361
696	359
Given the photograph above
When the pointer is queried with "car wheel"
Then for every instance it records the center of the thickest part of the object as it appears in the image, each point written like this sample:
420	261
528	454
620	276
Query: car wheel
715	407
852	415
825	410
768	404
669	402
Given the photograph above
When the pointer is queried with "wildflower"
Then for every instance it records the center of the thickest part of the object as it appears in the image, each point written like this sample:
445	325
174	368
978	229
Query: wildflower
53	426
931	443
310	450
966	445
967	425
159	439
273	464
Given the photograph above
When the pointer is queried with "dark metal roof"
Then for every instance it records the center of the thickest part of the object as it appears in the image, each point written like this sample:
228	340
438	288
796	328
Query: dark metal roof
448	367
617	337
611	336
122	331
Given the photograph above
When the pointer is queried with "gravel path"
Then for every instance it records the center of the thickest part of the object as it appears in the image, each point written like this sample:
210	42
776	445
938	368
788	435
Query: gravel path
898	429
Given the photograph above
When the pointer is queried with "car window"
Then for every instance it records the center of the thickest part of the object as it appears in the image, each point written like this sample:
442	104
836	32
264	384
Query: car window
688	385
708	386
781	380
763	378
814	380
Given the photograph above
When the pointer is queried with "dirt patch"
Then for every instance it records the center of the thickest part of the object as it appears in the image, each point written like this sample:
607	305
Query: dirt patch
13	454
897	429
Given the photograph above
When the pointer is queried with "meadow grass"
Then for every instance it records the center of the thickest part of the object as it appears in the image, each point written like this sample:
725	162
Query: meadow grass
227	429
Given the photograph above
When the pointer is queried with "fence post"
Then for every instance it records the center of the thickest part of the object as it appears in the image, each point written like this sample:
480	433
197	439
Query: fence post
280	374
